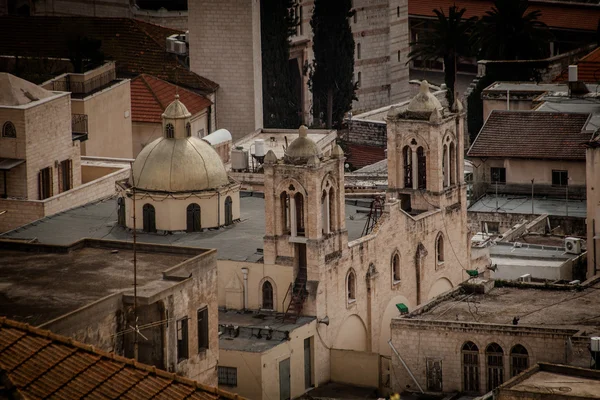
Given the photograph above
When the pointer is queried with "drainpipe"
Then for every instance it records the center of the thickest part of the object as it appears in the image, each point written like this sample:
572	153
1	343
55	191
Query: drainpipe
218	209
245	272
405	366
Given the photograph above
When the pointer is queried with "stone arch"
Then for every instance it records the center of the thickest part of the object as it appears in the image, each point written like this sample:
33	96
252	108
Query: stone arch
284	186
390	311
440	286
352	335
261	284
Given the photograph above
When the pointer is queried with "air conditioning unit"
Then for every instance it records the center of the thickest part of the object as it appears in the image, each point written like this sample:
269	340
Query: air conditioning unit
175	45
525	278
573	245
180	47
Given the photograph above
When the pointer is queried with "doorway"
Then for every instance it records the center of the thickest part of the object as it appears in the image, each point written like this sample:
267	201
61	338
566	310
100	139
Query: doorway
284	379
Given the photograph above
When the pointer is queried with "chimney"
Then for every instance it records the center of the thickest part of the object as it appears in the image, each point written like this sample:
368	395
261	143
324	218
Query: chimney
576	87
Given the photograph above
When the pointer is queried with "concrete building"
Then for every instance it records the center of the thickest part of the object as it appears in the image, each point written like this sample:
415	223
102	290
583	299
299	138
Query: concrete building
170	171
483	333
93	301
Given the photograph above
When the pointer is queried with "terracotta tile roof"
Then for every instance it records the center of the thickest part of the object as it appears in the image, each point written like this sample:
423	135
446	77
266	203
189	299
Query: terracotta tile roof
556	14
588	69
136	46
37	364
359	155
150	96
532	134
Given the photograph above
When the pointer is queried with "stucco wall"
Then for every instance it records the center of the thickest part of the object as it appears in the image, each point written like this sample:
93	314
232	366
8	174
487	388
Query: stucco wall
355	368
249	373
490	105
593	208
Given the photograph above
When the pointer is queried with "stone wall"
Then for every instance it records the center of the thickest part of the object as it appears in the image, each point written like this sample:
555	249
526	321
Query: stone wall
355	368
367	132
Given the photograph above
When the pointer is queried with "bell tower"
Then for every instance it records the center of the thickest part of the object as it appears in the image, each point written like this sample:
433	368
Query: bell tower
425	153
304	212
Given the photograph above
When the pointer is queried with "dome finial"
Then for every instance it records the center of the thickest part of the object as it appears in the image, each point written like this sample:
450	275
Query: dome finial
424	87
177	96
303	131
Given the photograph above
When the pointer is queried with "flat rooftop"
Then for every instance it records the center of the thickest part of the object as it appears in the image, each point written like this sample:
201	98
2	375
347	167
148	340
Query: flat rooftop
253	330
574	105
522	205
239	242
525	87
38	287
558	308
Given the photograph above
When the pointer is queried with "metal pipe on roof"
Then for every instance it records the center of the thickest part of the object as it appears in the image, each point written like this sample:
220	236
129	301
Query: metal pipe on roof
405	366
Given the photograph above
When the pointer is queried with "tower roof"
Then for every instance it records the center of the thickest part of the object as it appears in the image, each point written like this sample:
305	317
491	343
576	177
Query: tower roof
424	101
301	150
176	110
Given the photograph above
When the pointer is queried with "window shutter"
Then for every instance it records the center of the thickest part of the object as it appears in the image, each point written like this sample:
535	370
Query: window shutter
40	185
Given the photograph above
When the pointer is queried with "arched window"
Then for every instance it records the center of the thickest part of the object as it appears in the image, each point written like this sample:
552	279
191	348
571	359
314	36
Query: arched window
331	209
284	199
149	218
299	200
422	168
228	211
470	365
193	220
519	360
396	268
324	213
439	248
9	130
358	51
267	295
188	129
494	356
169	131
351	286
445	171
408	174
453	169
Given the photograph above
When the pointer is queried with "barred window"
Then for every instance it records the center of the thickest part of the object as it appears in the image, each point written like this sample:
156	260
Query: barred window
227	376
9	130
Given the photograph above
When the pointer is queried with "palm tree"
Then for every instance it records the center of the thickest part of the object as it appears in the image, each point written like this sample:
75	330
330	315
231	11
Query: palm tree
510	32
449	39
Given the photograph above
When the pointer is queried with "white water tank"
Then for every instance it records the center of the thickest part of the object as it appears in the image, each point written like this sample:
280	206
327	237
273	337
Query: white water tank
259	147
595	343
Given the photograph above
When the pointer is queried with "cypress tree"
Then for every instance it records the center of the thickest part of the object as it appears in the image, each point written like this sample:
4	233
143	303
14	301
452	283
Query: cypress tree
331	78
278	22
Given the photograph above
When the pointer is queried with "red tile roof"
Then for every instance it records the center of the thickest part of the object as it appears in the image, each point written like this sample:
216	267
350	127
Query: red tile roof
37	364
588	69
532	134
555	14
359	155
150	96
137	47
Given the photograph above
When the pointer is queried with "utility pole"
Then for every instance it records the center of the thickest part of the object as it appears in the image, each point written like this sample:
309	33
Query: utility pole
135	321
532	206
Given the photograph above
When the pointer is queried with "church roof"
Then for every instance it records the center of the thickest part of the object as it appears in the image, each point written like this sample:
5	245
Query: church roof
301	150
37	364
151	95
15	91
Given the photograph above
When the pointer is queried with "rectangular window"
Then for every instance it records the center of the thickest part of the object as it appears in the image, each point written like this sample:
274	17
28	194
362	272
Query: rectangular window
45	183
182	339
560	178
498	175
227	376
491	227
358	51
399	56
65	173
202	329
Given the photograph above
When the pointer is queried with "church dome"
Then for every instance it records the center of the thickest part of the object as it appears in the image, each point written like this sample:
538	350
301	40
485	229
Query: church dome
176	110
301	150
424	101
182	165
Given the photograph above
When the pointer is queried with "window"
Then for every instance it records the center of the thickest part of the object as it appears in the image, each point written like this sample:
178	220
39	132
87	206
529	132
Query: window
398	12
169	131
228	211
65	173
495	366
300	15
445	171
121	211
359	79
267	295
202	329
439	248
331	205
188	129
470	364
407	156
227	376
9	130
149	217
308	381
434	374
422	168
182	339
299	200
396	268
399	58
491	227
560	178
498	175
358	53
193	218
354	17
45	183
285	212
351	286
453	165
519	360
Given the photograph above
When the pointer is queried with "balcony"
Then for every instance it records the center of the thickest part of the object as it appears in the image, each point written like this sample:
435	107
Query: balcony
82	86
79	127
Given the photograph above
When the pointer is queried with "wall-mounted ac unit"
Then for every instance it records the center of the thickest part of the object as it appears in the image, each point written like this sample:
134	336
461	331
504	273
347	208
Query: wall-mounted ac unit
175	45
573	245
180	47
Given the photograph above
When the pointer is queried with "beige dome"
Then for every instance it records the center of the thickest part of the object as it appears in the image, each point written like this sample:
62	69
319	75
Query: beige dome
424	101
176	110
302	149
182	165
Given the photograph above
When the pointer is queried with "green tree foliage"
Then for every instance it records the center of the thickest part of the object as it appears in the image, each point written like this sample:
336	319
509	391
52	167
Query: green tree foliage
449	39
331	76
281	104
510	31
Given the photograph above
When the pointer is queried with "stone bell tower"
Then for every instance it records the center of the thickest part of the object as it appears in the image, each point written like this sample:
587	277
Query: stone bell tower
425	153
304	211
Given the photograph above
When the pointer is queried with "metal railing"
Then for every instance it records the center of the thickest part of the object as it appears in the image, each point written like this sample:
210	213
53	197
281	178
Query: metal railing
79	124
67	84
